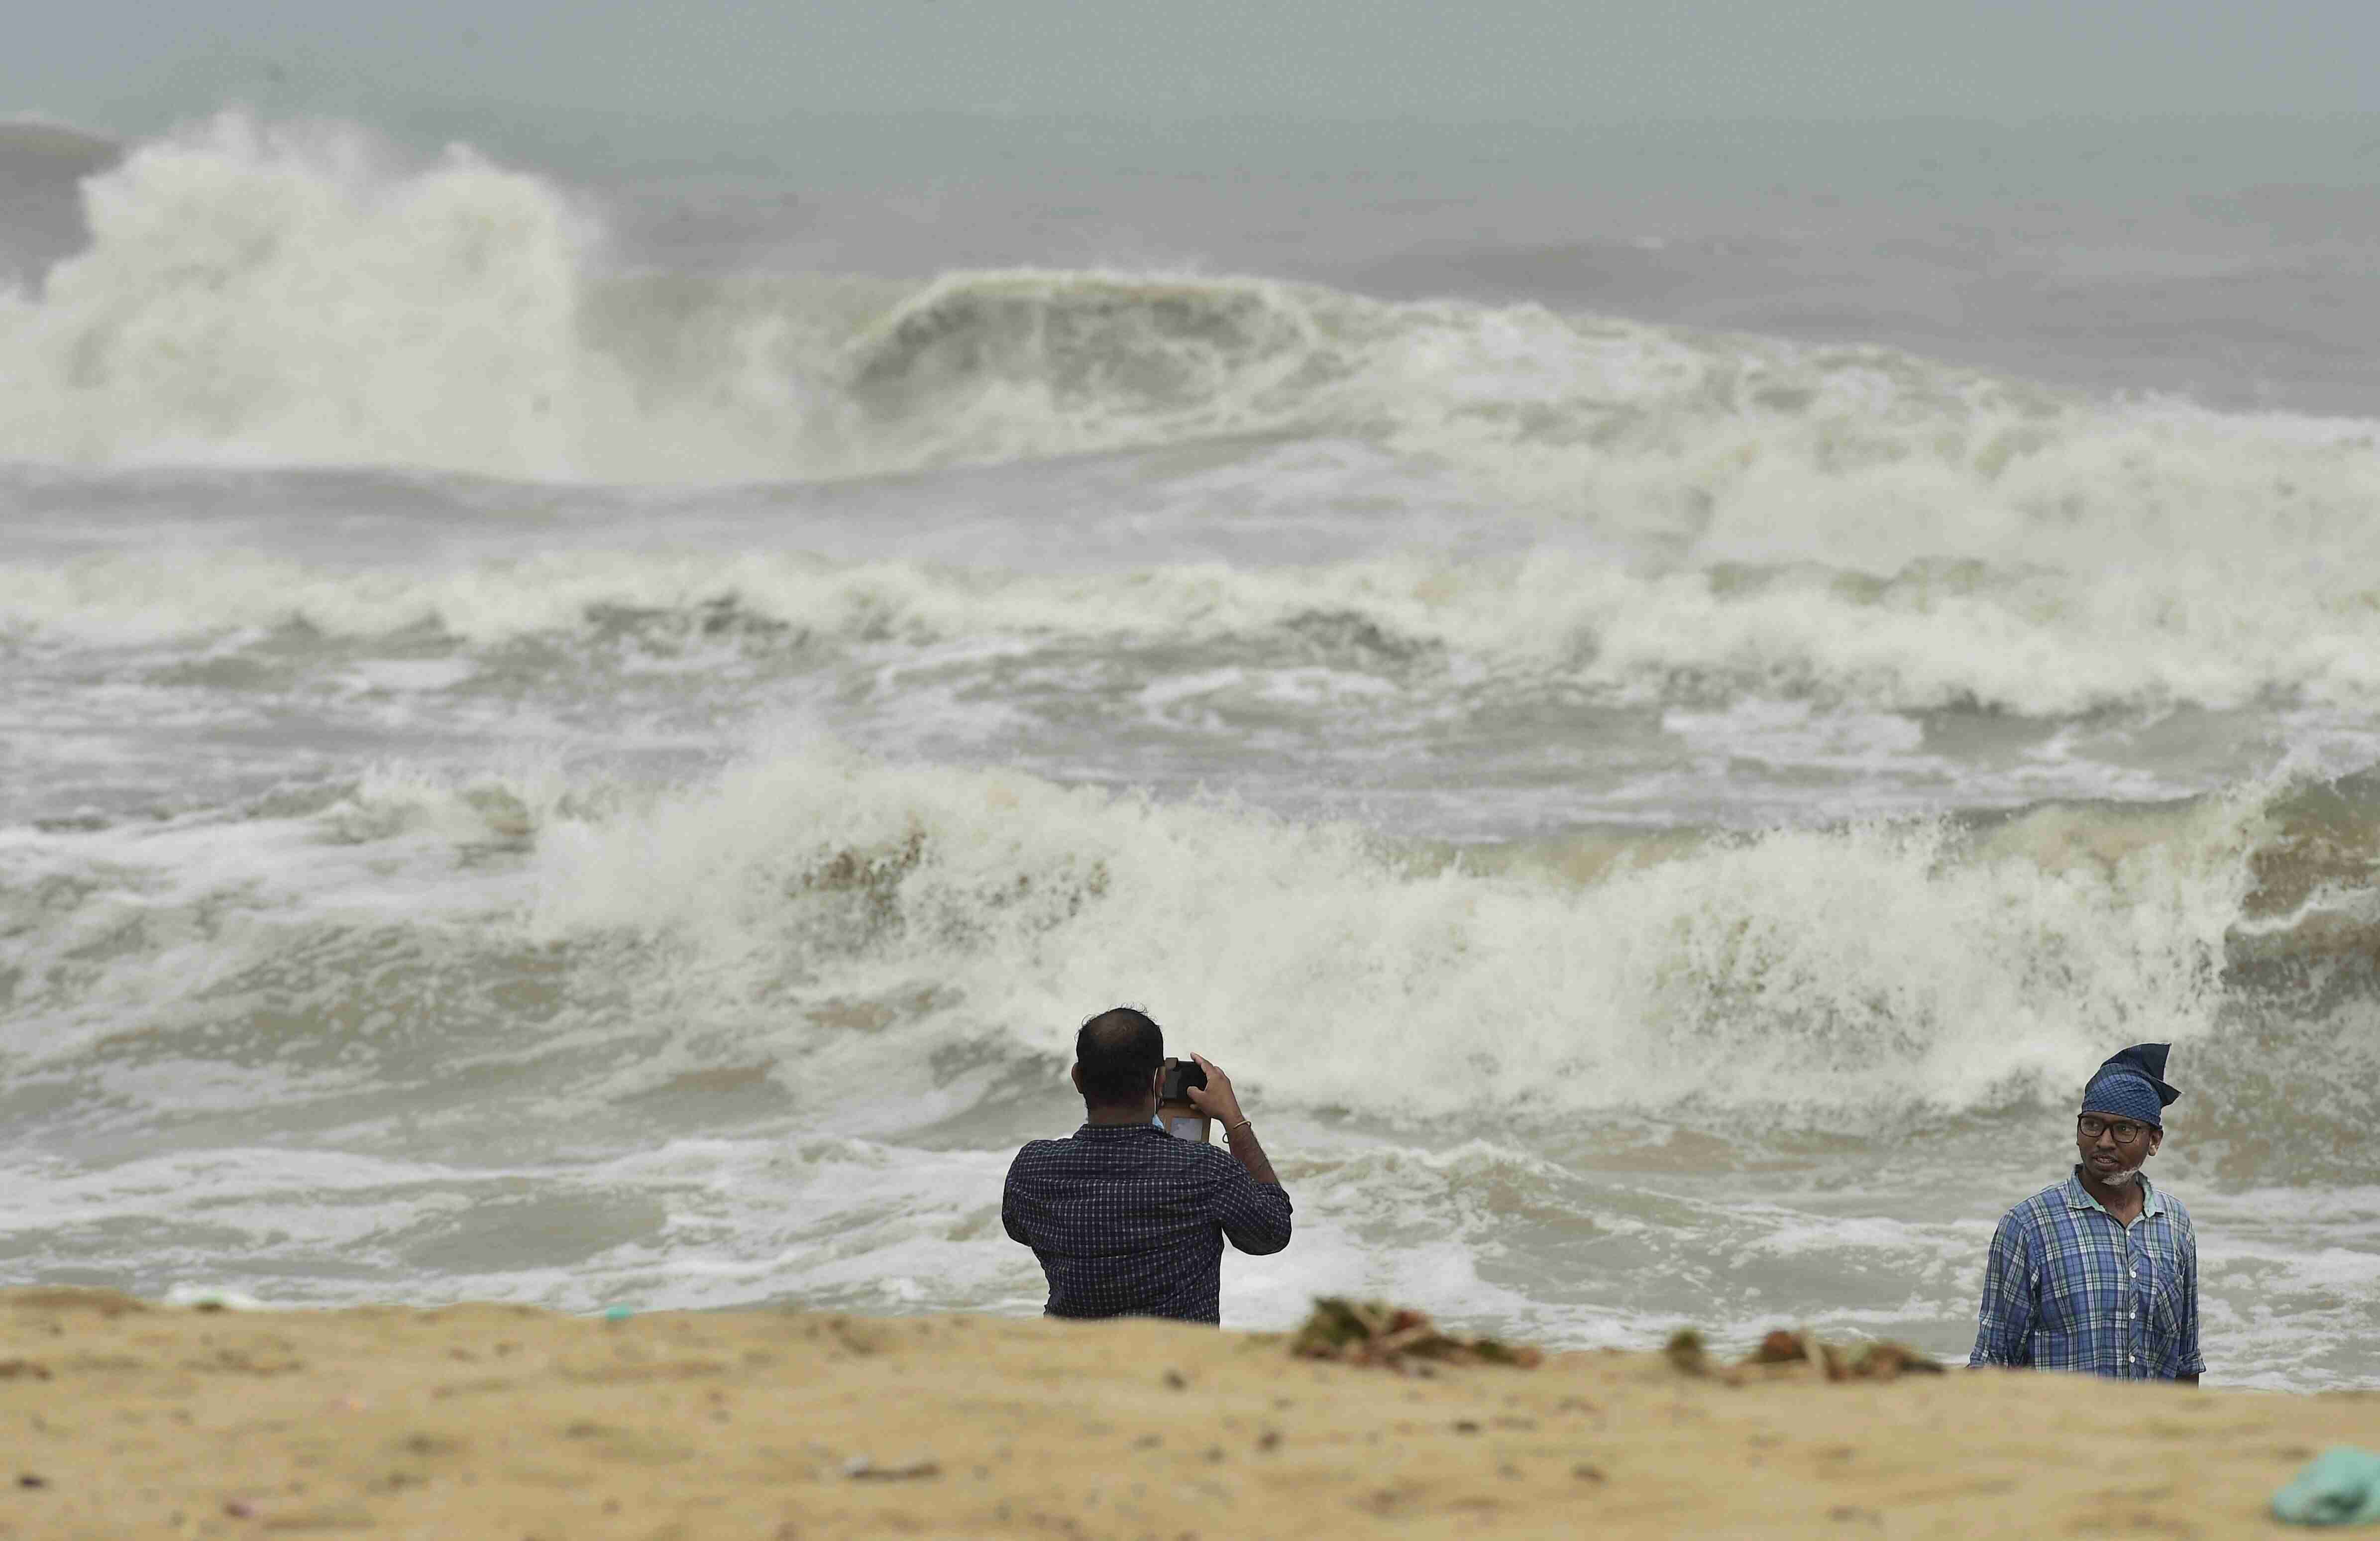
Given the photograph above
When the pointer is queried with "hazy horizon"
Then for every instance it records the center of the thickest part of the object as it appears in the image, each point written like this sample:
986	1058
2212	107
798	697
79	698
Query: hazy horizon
729	69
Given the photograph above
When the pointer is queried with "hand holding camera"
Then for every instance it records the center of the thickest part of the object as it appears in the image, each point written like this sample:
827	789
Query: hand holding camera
1214	1098
1191	1094
1204	1088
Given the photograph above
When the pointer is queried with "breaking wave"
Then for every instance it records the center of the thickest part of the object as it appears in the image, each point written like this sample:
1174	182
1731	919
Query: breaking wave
278	295
940	930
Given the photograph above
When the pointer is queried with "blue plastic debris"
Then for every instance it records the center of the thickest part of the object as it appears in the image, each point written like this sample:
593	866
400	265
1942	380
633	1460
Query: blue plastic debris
2340	1486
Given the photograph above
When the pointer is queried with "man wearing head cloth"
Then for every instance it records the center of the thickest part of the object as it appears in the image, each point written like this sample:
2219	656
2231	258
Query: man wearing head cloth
2098	1274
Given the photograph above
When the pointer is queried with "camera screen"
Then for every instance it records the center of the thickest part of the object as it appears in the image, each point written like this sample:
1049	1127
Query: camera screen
1186	1128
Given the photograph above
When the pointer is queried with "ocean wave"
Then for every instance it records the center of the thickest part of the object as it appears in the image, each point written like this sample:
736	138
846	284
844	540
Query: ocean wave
813	906
1935	635
258	294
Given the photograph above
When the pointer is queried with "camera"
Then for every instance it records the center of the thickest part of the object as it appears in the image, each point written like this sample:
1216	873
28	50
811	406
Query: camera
1180	1077
1176	1114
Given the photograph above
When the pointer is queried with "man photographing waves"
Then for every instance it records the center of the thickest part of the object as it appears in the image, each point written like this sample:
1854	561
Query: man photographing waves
1126	1220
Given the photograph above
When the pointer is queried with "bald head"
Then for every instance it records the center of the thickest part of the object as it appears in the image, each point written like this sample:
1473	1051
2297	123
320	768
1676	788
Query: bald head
1116	1053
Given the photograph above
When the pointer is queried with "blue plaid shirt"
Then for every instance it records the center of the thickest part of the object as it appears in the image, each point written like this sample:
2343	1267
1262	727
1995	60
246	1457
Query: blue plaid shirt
2069	1288
1129	1221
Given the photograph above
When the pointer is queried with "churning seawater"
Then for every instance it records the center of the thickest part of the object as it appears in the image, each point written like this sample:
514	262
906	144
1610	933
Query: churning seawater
588	743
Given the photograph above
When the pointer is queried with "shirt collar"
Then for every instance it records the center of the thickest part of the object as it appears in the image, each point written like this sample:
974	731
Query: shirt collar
2151	1202
1119	1131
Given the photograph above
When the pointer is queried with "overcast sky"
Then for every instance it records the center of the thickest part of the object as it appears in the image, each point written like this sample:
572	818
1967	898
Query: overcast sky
134	66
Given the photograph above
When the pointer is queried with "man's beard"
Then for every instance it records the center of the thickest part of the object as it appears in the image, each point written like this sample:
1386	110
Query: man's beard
2118	1178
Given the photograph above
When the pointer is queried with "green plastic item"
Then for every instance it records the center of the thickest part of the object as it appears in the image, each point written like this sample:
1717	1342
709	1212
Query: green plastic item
2340	1486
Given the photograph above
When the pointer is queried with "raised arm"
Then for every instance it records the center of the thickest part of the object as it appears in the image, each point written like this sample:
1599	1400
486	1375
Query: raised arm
1251	1206
1220	1102
1250	1154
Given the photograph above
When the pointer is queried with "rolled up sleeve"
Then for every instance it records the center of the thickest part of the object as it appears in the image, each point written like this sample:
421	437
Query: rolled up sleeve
2004	1325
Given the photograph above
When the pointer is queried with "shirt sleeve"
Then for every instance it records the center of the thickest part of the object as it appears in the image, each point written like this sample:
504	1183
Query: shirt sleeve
1008	1204
1253	1215
2192	1361
2004	1326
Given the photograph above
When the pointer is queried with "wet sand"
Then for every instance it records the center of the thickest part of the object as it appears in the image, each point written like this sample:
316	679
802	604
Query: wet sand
120	1418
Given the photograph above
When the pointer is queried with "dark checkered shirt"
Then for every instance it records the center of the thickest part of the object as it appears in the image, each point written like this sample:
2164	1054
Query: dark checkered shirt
1129	1221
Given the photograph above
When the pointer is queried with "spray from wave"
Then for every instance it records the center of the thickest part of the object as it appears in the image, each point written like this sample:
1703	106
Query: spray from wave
292	294
911	928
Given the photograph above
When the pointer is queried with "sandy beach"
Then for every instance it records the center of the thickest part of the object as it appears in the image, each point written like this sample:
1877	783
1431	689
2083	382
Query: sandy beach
121	1418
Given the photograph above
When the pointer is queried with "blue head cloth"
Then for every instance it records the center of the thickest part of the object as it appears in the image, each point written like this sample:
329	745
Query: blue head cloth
2130	1085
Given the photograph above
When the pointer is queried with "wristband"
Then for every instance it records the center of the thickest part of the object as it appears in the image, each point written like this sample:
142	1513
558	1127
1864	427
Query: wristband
1229	1127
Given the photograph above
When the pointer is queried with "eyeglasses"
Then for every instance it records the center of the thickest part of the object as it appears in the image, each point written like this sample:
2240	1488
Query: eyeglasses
2124	1128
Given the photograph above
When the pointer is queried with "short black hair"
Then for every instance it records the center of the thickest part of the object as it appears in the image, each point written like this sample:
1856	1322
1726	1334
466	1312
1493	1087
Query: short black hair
1119	1051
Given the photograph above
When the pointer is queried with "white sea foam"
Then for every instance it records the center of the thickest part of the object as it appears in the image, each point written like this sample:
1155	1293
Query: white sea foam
259	295
2033	642
1802	974
1811	971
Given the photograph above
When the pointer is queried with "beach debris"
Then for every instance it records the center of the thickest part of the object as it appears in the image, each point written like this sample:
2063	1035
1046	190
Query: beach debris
1396	1338
1784	1350
2340	1486
617	1313
33	1479
11	1369
1687	1353
1780	1347
1886	1360
861	1468
1881	1360
62	1298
